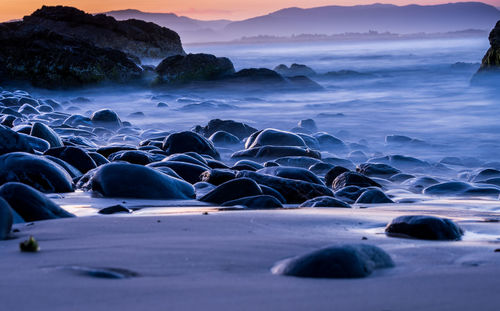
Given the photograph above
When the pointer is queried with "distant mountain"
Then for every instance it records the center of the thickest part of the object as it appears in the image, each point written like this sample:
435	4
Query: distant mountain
362	18
190	30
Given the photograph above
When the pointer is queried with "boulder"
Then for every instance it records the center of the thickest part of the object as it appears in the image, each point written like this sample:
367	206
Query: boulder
491	60
193	67
124	180
30	204
11	141
256	202
353	179
273	137
346	261
189	141
35	171
106	118
238	129
377	170
294	70
296	173
232	190
6	219
187	171
44	132
373	196
221	138
324	201
424	227
274	152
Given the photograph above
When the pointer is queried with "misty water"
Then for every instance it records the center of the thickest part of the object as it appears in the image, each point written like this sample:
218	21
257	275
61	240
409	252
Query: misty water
418	88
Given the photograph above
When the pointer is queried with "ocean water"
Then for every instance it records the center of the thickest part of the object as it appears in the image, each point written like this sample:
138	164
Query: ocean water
417	88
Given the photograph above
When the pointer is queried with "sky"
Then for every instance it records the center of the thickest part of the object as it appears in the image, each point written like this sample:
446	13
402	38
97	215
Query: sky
200	9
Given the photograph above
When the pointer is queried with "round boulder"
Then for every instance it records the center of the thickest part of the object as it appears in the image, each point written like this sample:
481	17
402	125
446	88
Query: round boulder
424	227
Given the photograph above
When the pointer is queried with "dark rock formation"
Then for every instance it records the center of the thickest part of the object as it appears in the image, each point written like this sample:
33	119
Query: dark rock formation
133	37
294	70
238	129
193	67
491	61
424	227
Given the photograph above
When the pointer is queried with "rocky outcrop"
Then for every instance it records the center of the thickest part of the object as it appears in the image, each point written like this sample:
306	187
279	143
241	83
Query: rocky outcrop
490	66
294	70
133	37
59	47
193	67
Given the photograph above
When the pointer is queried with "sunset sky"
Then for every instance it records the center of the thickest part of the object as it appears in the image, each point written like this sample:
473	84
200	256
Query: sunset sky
201	9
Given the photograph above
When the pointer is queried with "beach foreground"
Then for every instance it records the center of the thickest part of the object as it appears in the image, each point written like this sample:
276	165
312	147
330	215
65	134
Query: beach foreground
201	258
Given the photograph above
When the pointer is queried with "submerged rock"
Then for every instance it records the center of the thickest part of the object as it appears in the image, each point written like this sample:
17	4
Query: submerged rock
294	70
424	227
373	196
238	129
347	261
125	180
256	202
456	188
325	201
31	204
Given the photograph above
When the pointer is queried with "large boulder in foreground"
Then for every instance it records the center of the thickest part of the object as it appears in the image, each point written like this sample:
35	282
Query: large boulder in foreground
193	67
30	204
133	37
124	180
347	261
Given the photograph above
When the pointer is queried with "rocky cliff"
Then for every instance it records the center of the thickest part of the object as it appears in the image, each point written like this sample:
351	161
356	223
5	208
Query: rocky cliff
491	61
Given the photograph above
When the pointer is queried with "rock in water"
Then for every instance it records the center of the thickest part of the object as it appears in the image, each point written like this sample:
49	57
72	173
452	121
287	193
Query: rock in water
256	202
373	196
189	141
42	131
424	227
232	190
238	129
6	219
35	171
347	261
31	204
124	180
193	67
294	70
106	118
324	201
491	60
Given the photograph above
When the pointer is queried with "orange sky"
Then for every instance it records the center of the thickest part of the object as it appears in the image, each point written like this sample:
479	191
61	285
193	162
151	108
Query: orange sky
202	9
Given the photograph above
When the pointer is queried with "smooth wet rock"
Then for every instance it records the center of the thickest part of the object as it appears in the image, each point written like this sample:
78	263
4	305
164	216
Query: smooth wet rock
11	141
295	173
272	192
485	174
273	137
44	132
35	171
115	209
238	129
334	173
72	171
424	227
232	190
187	158
6	219
346	261
377	170
321	168
187	171
106	118
218	176
135	157
297	161
221	138
330	143
456	188
256	202
349	194
75	156
274	152
325	201
294	70
418	184
31	204
202	188
353	179
373	196
294	191
189	141
136	181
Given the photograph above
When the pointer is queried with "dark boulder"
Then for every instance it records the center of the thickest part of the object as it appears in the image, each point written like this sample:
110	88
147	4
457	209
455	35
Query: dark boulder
6	219
124	180
294	191
31	204
349	194
238	129
189	141
194	158
44	132
135	157
424	227
296	173
232	190
193	67
457	188
373	196
333	173
221	138
11	141
258	76
273	137
353	179
377	170
75	156
330	143
187	171
321	168
347	261
35	171
491	60
218	176
106	118
266	153
294	70
256	202
325	201
272	192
